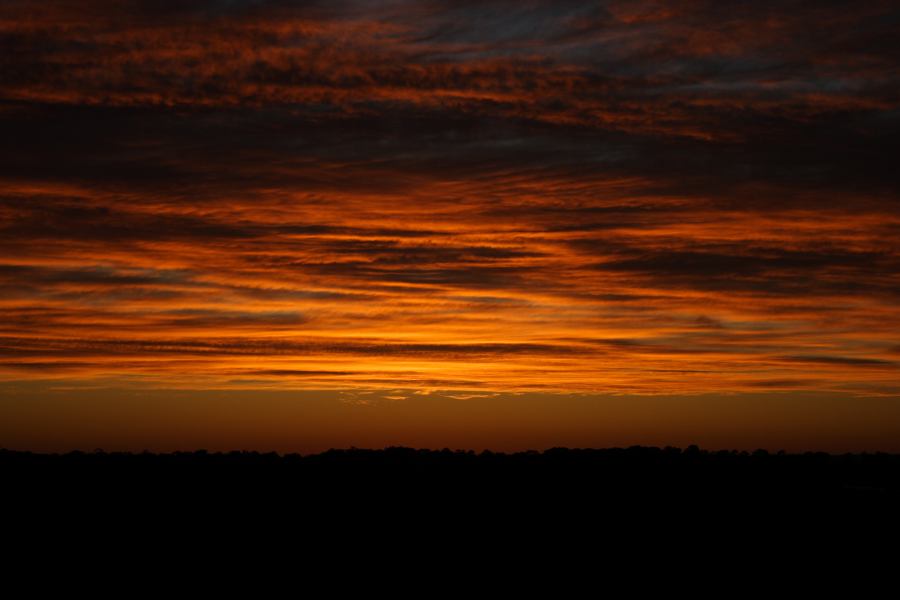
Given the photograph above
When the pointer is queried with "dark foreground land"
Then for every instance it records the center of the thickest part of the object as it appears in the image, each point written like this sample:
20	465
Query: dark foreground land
637	493
557	472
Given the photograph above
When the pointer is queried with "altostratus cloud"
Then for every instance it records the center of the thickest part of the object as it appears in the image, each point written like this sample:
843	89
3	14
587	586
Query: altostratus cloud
503	196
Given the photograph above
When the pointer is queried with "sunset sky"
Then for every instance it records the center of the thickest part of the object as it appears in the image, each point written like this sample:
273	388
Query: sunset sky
505	224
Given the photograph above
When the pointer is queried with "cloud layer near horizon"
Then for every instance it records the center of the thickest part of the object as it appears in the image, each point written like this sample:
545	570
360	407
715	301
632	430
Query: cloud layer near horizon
501	196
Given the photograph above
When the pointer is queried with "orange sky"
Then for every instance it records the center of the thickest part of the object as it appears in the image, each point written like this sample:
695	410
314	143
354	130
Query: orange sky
297	225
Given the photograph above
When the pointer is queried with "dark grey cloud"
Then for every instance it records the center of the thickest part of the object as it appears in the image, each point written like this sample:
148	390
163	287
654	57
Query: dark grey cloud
845	361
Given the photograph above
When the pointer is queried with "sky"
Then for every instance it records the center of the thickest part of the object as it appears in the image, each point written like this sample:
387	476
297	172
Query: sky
295	225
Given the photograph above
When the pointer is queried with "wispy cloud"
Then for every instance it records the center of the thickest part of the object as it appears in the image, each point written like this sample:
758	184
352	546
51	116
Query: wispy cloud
498	196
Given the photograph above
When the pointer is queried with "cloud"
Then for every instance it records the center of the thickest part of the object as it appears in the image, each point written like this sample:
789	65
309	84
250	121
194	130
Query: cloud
623	196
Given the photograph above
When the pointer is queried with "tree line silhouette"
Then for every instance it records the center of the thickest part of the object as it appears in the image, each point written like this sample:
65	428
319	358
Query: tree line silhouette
577	472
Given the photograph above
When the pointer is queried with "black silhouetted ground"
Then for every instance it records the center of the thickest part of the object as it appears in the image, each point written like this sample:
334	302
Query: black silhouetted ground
554	472
380	496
